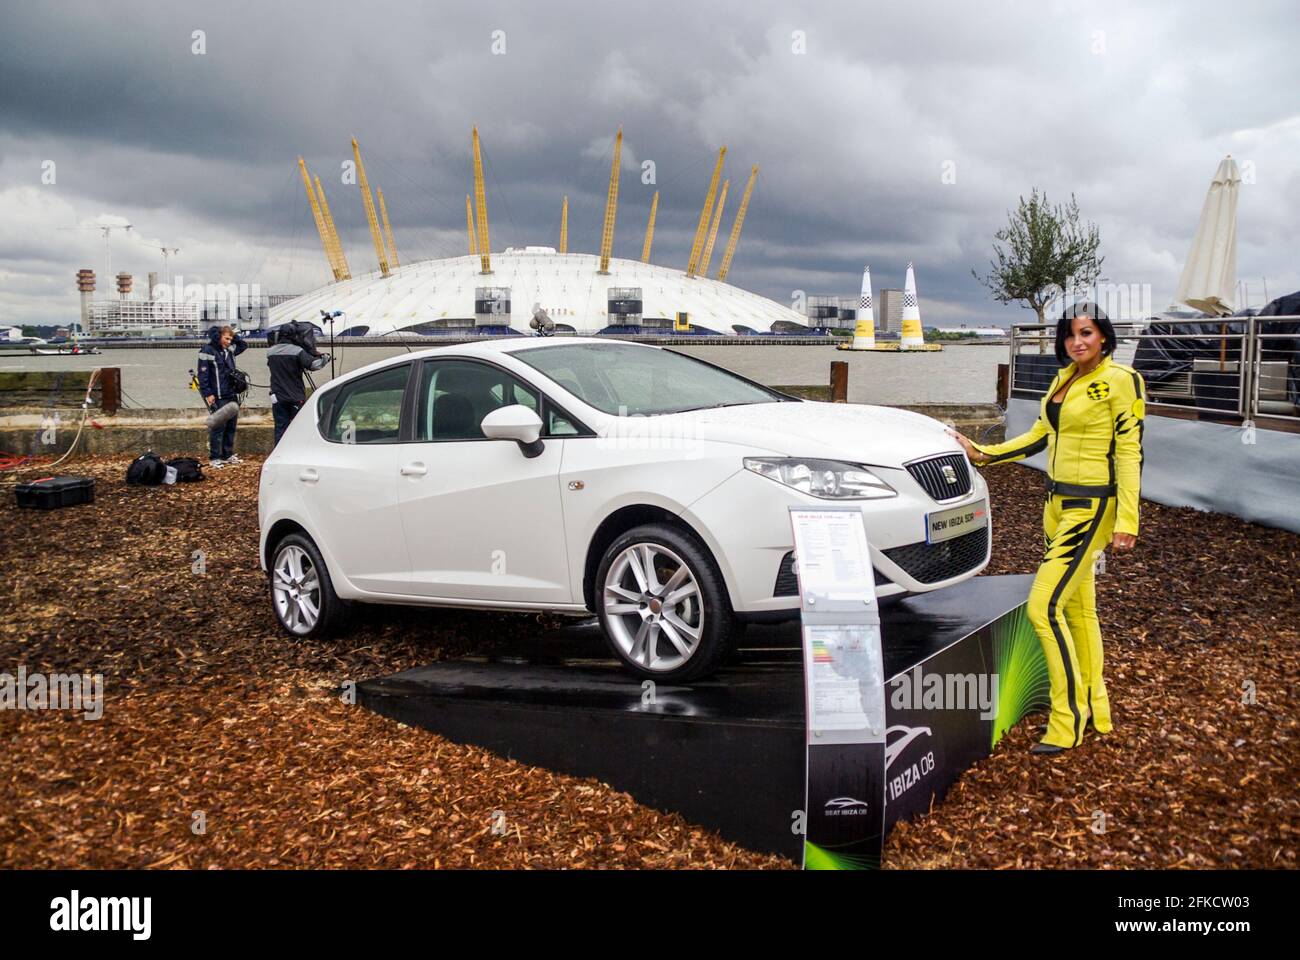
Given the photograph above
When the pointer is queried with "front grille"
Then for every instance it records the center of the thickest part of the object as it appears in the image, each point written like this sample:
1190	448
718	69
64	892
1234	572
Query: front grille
929	474
787	583
932	562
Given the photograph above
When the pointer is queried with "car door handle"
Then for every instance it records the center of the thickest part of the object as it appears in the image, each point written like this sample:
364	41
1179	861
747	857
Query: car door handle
416	469
309	475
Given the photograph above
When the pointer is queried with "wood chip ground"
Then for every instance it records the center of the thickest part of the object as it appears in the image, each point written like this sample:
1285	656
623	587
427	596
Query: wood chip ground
215	719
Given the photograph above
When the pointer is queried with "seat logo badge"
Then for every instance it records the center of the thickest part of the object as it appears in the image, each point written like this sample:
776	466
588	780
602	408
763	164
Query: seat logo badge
577	485
949	473
1098	389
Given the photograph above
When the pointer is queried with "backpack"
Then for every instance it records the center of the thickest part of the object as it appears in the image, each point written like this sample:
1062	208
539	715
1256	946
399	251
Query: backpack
238	381
146	470
187	469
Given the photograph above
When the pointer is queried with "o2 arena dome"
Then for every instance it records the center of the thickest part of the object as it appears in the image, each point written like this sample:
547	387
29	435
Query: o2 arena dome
519	289
451	296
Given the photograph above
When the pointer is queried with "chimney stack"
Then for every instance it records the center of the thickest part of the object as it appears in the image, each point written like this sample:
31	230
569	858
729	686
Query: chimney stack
86	287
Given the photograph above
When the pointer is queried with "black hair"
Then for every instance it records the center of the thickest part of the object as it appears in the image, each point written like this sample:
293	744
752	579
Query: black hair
1065	326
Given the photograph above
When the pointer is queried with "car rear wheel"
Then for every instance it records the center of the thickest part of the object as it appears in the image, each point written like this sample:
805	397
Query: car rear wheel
302	594
663	605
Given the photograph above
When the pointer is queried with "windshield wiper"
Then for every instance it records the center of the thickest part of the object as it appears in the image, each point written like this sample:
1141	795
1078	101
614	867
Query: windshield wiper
719	406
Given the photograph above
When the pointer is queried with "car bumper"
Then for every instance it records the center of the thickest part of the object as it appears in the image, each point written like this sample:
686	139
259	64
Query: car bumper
747	523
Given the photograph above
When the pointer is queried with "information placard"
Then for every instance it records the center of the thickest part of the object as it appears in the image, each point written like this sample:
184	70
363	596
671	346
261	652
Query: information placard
844	689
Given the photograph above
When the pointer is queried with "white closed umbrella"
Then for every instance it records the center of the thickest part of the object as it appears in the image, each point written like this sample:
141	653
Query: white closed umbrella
1209	281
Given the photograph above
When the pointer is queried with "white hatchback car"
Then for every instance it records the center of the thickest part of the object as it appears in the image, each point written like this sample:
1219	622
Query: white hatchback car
576	474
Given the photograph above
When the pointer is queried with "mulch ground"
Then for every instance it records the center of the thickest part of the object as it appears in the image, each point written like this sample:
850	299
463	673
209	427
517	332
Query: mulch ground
224	743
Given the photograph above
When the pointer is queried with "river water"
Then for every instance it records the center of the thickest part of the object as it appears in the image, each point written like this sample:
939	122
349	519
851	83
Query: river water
159	377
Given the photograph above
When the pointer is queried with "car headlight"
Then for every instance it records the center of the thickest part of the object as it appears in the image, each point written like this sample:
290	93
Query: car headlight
828	479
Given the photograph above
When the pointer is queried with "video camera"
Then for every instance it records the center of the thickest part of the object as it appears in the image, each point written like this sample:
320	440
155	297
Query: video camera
299	334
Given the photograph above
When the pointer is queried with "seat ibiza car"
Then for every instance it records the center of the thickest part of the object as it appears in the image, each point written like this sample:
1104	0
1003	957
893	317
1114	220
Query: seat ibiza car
583	475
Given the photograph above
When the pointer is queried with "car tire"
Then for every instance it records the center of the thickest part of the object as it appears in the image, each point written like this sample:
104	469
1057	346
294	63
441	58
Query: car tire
300	584
673	627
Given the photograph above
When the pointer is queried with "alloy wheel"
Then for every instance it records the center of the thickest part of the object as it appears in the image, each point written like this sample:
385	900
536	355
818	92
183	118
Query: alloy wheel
296	587
653	607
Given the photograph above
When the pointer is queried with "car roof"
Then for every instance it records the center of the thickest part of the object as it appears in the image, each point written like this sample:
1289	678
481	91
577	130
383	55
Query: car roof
484	348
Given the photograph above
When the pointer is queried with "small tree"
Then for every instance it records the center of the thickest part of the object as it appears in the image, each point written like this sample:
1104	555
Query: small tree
1042	252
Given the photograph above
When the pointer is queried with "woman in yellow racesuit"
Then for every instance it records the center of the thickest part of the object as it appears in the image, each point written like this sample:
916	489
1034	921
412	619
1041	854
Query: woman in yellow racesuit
1090	422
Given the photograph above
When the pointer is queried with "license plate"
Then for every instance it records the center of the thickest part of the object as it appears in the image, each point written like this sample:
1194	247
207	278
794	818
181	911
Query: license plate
953	522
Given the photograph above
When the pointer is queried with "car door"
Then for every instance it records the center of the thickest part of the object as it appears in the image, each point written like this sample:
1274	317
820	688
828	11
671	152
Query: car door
482	520
351	487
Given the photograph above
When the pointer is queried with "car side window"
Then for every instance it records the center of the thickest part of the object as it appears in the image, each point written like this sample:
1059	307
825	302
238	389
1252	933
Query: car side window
556	424
455	396
369	410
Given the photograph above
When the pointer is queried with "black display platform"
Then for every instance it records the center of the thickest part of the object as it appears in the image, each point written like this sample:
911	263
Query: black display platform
728	752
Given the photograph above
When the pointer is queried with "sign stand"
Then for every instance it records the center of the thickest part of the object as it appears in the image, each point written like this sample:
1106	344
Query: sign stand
844	690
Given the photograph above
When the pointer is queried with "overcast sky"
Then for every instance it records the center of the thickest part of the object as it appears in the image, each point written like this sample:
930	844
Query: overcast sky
856	113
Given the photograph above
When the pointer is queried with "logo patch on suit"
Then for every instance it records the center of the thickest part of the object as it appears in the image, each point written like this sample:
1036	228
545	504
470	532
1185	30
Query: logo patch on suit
1099	389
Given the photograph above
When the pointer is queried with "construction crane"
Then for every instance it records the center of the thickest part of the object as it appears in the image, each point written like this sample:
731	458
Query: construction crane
166	252
698	245
338	260
480	205
713	230
326	241
106	229
369	203
650	228
611	204
564	226
388	228
735	227
469	225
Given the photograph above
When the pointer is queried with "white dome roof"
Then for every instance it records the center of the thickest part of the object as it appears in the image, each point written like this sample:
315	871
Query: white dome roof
567	286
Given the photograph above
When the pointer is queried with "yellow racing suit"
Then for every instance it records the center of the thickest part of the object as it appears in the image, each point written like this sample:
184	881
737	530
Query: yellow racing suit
1094	466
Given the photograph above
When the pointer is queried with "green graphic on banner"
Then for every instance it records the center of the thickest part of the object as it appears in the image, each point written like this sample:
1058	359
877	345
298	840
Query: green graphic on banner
819	858
1023	683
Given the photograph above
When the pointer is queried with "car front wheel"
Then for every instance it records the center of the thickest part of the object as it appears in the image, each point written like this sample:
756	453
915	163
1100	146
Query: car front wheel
663	605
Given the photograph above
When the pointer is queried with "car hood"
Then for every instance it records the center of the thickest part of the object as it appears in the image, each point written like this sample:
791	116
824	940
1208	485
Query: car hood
862	433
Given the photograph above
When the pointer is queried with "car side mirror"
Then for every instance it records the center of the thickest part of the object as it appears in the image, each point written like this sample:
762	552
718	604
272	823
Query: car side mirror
515	422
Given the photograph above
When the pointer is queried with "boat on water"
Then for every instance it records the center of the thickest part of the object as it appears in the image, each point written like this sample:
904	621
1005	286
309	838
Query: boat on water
65	351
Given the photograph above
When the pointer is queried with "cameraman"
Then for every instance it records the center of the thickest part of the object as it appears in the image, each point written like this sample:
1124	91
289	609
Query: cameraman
218	386
292	350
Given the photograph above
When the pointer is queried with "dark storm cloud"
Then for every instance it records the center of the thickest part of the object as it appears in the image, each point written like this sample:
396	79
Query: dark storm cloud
1129	109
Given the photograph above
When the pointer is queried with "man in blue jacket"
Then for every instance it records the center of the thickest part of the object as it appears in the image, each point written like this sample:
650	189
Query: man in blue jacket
216	364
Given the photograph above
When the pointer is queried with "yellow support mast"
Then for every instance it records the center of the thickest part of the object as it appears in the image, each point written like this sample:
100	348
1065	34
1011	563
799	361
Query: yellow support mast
369	203
650	228
735	227
388	229
335	243
480	203
564	226
469	225
705	214
320	220
713	230
611	204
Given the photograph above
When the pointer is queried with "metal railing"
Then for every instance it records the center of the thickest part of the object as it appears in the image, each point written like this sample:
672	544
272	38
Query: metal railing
1243	368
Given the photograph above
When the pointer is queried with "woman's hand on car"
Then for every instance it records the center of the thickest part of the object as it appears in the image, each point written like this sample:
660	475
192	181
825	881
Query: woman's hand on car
972	454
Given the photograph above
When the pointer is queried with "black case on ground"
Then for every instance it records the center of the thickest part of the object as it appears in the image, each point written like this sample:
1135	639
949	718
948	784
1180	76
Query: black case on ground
54	492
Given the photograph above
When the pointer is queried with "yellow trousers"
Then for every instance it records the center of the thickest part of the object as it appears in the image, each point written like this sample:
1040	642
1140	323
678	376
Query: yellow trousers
1063	609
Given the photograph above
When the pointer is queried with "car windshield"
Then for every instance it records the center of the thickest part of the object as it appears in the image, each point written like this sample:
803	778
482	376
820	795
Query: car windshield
625	379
